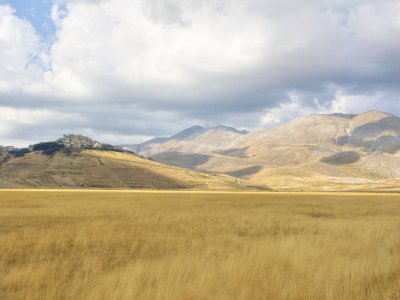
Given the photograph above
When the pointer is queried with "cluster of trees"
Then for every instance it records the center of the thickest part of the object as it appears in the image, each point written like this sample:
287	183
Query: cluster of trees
47	147
19	152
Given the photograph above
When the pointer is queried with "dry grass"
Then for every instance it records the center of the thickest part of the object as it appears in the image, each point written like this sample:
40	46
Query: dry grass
125	245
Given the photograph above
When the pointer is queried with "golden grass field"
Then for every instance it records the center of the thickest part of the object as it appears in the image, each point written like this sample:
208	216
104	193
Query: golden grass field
188	245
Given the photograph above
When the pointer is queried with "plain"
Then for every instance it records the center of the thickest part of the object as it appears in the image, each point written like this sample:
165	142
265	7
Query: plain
188	245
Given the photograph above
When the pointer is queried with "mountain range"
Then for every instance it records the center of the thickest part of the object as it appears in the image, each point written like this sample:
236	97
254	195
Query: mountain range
329	152
315	152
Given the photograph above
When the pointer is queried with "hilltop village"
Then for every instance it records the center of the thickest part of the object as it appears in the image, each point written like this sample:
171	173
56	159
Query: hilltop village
78	141
68	143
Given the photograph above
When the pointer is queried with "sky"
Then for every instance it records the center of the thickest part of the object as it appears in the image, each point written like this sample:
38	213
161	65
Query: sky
123	71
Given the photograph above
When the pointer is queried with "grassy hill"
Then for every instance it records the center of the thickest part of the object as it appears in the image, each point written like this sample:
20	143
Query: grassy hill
103	169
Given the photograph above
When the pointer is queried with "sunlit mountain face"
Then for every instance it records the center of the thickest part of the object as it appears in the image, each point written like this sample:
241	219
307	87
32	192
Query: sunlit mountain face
318	151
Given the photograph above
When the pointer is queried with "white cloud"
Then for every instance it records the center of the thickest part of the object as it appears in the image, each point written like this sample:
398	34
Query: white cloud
57	13
201	61
212	49
18	46
135	45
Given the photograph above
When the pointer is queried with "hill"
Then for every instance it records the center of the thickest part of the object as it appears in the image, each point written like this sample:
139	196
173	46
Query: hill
76	161
102	169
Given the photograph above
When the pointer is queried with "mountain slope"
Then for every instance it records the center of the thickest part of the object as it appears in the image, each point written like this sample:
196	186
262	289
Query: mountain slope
369	131
334	151
196	139
103	169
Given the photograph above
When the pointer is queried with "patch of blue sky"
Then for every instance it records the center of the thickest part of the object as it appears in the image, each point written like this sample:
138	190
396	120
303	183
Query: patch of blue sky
38	13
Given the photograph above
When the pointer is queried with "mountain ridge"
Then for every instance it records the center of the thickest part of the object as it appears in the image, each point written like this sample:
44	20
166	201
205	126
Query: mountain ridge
317	151
341	126
193	136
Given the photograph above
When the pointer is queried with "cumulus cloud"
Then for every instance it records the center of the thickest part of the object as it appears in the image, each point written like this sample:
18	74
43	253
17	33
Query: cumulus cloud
134	69
19	45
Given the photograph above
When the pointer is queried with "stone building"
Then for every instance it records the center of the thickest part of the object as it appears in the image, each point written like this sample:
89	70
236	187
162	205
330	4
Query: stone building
78	141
